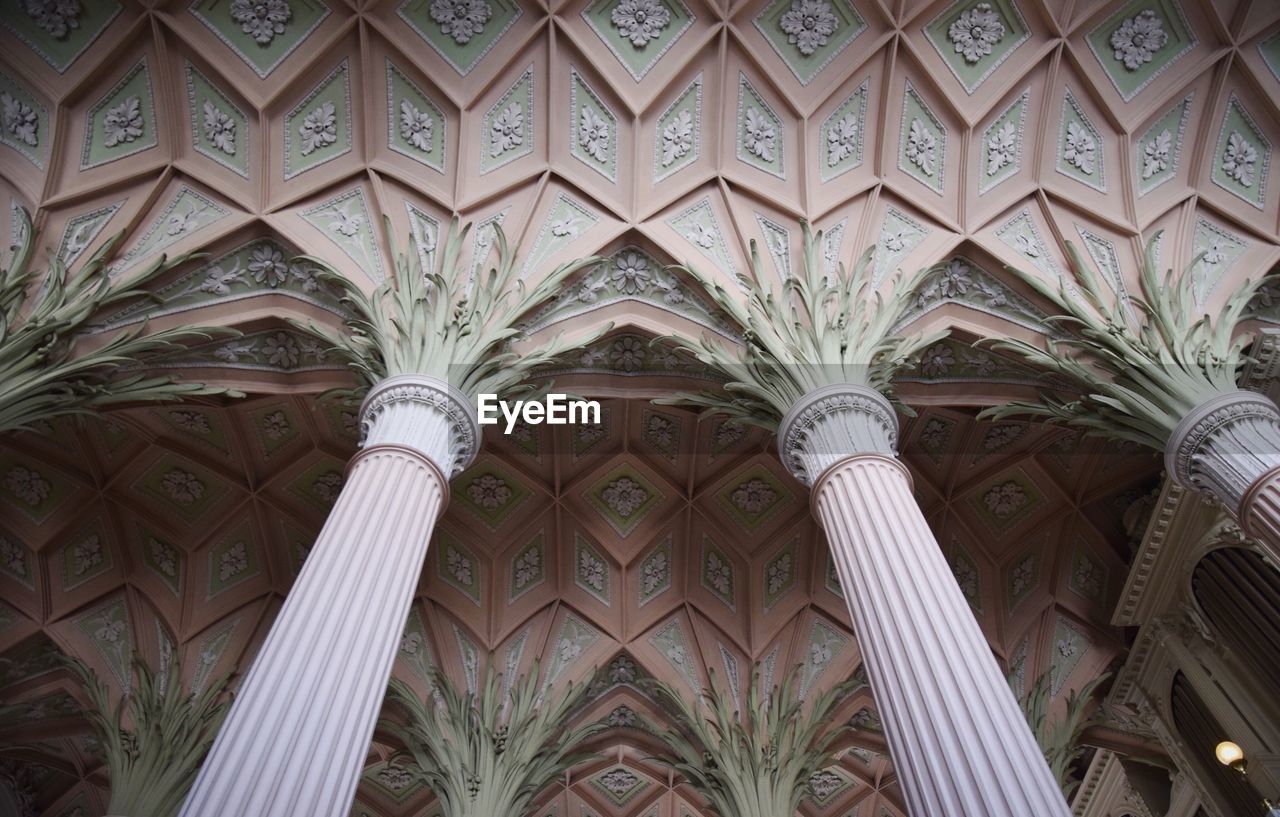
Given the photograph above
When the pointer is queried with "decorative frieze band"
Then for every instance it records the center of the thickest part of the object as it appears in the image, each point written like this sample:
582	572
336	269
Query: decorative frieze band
832	423
423	413
1224	445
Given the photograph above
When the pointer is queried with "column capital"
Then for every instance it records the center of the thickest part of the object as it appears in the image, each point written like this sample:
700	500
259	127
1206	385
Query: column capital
423	413
834	422
1224	444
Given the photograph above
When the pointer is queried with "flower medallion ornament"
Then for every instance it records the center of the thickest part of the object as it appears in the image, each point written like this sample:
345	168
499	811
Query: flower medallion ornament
1138	39
754	496
937	360
630	273
219	128
1000	148
1080	148
1005	499
26	485
507	130
54	17
19	120
489	492
182	486
975	32
319	128
416	126
922	147
677	138
640	20
122	123
267	266
808	24
759	136
593	135
624	496
261	19
1239	158
1155	154
842	138
461	19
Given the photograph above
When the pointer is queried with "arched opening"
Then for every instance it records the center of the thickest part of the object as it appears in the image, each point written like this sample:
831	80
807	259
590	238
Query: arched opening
1240	594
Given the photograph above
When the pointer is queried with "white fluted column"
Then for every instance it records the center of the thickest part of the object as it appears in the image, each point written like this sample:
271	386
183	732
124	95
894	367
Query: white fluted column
958	738
295	740
1229	448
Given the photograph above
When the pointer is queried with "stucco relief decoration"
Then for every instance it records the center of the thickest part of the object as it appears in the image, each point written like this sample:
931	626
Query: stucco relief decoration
937	359
54	17
808	24
461	19
86	555
182	486
842	139
507	131
27	485
624	496
593	135
778	574
677	138
627	355
922	147
318	129
719	574
1156	154
753	496
262	20
459	566
327	486
630	273
416	126
701	235
640	21
1239	158
1001	148
489	492
19	120
219	128
233	562
975	32
758	136
1080	148
267	266
1005	499
592	570
1023	576
1138	39
163	557
122	123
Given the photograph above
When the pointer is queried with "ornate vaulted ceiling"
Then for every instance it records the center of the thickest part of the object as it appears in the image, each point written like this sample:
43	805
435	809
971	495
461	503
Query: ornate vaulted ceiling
682	547
649	131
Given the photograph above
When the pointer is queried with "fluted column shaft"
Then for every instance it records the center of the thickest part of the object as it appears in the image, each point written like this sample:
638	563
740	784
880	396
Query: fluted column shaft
958	738
1229	448
295	740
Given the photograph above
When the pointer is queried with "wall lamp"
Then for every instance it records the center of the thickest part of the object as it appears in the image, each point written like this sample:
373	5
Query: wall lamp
1230	754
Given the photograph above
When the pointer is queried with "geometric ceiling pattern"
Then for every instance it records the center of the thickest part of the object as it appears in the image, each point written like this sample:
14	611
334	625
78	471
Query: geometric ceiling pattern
973	135
650	545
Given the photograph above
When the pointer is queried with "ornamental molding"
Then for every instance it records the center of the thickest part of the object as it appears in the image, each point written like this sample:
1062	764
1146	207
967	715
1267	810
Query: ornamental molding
385	421
1223	444
832	423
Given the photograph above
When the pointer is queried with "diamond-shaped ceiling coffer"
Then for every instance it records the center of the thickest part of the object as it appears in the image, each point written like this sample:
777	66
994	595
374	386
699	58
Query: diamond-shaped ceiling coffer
263	33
